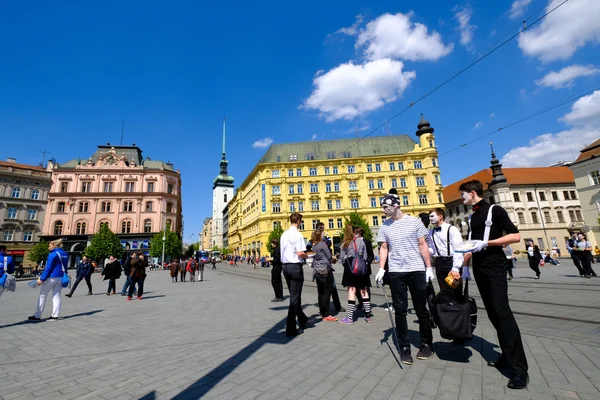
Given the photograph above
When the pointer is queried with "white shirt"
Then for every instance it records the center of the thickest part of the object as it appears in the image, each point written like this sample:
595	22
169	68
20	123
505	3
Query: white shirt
442	245
291	243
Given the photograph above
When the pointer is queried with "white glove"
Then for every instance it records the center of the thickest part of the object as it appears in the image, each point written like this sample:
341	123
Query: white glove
479	245
429	276
379	276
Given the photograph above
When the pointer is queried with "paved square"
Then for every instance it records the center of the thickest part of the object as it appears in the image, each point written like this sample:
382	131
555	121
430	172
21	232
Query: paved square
223	339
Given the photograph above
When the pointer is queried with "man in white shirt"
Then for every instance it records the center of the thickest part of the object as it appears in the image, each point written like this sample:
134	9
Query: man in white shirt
444	238
292	252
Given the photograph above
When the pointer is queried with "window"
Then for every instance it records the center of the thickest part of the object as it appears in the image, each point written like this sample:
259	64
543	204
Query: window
31	214
401	166
573	195
148	206
80	228
392	166
293	157
547	218
338	204
11	213
64	187
276	207
521	217
83	206
420	181
555	196
298	171
108	187
127	206
394	182
328	187
340	223
301	227
378	167
126	227
595	177
290	173
105	206
336	186
373	202
440	198
225	197
103	225
346	154
578	214
329	204
516	197
314	205
572	215
352	185
434	162
369	167
375	220
331	224
28	235
422	199
542	196
351	169
331	154
150	187
436	178
371	184
169	207
327	170
560	216
405	200
314	223
86	187
450	212
170	188
310	156
465	208
299	188
300	206
314	188
534	217
276	190
60	207
335	170
35	194
418	164
403	182
16	193
353	203
275	173
292	207
129	187
430	143
9	234
312	171
379	183
58	228
291	189
147	226
529	196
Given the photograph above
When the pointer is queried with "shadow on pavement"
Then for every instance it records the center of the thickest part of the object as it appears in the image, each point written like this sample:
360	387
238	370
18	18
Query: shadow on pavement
152	297
42	320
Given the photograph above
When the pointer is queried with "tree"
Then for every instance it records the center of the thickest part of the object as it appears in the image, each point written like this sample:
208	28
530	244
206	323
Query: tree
191	250
173	245
39	252
275	234
357	221
105	243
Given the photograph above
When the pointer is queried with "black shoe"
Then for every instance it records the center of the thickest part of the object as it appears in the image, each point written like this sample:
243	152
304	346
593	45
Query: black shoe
90	293
518	381
275	300
405	356
33	318
68	295
499	363
281	299
298	332
425	352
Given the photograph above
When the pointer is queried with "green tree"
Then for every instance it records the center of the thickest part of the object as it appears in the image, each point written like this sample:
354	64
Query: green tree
225	251
356	220
275	234
191	250
105	243
173	245
39	252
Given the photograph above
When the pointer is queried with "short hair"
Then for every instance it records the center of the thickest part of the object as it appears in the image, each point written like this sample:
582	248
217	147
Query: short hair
316	237
295	218
359	231
439	211
2	247
275	241
320	224
425	218
470	186
393	191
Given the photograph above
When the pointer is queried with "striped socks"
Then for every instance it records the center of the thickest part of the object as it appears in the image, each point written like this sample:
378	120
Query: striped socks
367	305
350	310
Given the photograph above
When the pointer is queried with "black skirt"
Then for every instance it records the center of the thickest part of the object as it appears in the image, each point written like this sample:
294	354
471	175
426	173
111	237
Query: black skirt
351	280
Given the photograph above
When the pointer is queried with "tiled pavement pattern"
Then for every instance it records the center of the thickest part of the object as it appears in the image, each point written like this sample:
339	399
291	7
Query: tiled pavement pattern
222	339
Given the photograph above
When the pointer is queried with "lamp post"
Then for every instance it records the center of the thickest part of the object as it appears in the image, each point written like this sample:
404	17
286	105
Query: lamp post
163	252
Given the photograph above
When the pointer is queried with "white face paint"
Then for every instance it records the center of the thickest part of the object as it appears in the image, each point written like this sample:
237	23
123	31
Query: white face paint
434	218
388	210
466	197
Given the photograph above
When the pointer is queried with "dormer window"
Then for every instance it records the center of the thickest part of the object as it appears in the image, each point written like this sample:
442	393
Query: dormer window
293	157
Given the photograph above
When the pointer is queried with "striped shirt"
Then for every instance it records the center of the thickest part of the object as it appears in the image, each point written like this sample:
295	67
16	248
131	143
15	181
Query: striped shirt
402	238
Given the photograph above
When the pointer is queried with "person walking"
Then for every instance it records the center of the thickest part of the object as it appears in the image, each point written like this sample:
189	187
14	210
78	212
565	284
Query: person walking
214	263
112	272
511	261
7	265
276	280
51	279
490	229
585	249
575	253
404	247
127	273
182	270
191	269
323	273
174	269
292	253
200	269
84	271
138	275
352	247
534	257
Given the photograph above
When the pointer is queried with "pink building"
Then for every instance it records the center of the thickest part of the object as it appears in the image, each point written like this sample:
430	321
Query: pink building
135	197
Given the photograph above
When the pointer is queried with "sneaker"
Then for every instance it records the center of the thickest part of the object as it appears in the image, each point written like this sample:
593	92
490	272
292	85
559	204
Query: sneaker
537	277
405	356
330	318
346	321
128	298
510	278
425	352
139	297
68	295
108	293
33	318
368	318
51	318
275	300
390	308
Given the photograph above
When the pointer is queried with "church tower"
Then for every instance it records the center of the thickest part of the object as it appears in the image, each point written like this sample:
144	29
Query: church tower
222	194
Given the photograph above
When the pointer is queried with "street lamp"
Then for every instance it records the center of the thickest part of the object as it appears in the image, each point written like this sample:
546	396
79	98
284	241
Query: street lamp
163	253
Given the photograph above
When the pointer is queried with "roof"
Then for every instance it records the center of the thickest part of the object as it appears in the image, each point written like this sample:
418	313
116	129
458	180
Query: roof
367	147
130	152
514	176
591	151
24	166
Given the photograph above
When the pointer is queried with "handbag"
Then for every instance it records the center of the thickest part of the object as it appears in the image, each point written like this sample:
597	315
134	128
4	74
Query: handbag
9	282
66	279
456	318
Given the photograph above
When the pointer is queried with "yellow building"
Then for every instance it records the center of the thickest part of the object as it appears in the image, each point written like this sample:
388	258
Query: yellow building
327	180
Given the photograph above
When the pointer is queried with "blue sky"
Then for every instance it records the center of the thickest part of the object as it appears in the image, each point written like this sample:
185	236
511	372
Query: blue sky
285	72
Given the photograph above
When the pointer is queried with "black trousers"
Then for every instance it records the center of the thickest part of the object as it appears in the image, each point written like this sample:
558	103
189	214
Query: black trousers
294	277
276	280
112	285
182	275
88	281
140	283
586	263
335	296
534	264
400	283
324	289
490	274
576	257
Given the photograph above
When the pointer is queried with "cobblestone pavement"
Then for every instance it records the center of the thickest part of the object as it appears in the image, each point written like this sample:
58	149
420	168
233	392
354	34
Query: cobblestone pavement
223	339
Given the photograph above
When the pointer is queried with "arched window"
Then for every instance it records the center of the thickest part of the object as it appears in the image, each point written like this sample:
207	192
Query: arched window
35	194
103	224
80	229
58	228
148	206
168	223
169	207
126	227
147	226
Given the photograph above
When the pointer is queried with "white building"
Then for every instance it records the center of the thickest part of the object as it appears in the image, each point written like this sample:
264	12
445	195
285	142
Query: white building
222	195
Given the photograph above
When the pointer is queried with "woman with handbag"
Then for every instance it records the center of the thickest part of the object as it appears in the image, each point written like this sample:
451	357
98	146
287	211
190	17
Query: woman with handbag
354	246
52	278
323	273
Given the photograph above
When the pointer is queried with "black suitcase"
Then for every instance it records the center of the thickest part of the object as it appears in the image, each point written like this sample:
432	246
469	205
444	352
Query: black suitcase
456	318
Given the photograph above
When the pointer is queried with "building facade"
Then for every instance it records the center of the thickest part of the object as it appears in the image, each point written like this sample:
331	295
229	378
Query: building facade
116	186
205	234
23	198
222	194
327	180
226	227
542	202
586	170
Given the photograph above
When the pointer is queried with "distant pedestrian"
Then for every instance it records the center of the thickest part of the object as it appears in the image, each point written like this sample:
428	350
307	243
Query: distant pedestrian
214	263
323	274
534	256
575	253
511	260
51	279
6	265
112	272
138	275
174	270
182	270
191	269
585	249
276	280
201	270
127	273
84	271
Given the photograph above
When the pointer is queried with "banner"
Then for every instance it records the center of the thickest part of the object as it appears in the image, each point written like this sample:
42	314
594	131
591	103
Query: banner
264	198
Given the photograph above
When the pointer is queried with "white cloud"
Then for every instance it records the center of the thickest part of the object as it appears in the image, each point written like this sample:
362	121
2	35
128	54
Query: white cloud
314	136
478	125
566	76
586	110
262	143
395	36
352	30
351	90
492	115
466	29
562	32
518	7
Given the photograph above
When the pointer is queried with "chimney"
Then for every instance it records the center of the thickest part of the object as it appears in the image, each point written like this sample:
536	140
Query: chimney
12	160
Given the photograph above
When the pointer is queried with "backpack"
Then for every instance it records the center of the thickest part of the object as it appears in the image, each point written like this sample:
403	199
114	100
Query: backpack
320	269
359	265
